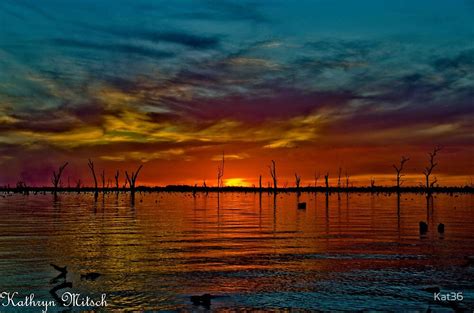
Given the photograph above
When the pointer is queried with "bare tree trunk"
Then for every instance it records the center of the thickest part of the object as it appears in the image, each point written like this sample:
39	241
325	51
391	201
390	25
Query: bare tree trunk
91	166
116	176
399	170
131	182
102	176
297	182
56	179
339	179
316	178
273	175
220	173
429	169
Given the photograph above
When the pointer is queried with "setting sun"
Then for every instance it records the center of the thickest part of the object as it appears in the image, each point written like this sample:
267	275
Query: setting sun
233	182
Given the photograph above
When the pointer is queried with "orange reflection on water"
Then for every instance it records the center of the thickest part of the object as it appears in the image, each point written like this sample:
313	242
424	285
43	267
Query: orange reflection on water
169	245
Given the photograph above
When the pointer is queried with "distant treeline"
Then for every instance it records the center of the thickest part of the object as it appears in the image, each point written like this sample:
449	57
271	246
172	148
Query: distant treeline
202	189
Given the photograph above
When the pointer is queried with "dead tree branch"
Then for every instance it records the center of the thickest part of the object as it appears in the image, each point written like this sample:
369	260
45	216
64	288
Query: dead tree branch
116	176
91	166
56	179
273	174
429	169
131	179
399	170
220	172
297	181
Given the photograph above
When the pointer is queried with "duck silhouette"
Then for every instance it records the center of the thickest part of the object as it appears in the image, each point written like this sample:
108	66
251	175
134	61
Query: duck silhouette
204	300
423	228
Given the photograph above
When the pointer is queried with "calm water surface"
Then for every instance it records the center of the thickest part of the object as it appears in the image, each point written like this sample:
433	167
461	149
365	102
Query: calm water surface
347	252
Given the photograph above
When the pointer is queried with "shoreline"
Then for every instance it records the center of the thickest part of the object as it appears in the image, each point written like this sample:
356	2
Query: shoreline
200	189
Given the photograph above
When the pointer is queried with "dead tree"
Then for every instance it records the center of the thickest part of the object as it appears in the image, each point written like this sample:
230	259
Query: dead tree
316	178
347	180
399	170
102	176
56	179
91	166
131	179
204	185
372	183
297	181
339	179
116	176
273	174
78	184
220	172
429	169
326	180
260	183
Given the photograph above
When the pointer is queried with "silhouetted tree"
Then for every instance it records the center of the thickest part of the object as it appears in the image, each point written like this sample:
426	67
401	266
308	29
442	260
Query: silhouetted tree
220	172
326	180
103	180
116	176
297	181
91	166
273	174
347	180
78	183
372	183
429	169
56	179
339	178
260	183
316	178
399	170
131	179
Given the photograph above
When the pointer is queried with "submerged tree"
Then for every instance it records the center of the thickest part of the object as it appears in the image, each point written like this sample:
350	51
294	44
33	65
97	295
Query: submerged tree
220	172
56	179
91	166
273	174
429	169
116	176
326	180
339	178
297	181
103	180
316	178
260	183
399	170
132	178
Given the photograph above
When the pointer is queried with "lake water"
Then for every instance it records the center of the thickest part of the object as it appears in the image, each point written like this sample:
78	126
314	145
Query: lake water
356	251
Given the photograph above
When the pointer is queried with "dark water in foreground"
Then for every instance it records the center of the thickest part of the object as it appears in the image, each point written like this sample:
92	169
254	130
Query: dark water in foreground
352	253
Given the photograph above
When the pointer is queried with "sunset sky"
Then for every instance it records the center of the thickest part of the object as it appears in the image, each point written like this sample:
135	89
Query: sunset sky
314	85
